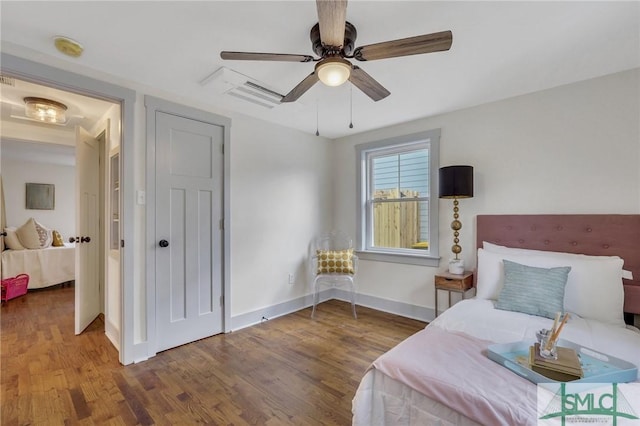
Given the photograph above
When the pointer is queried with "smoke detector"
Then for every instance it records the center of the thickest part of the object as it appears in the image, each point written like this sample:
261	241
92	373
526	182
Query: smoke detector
68	46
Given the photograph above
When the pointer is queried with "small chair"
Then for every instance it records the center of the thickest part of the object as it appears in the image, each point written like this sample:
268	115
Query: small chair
332	262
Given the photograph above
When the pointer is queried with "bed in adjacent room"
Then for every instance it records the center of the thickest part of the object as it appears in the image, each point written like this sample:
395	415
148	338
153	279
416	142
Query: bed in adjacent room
442	374
39	252
45	267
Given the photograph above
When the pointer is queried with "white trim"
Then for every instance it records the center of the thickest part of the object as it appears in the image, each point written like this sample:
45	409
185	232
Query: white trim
390	306
274	311
65	80
397	308
412	257
152	106
112	332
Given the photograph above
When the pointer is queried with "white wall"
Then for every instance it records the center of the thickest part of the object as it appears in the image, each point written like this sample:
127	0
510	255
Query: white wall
16	173
281	198
571	149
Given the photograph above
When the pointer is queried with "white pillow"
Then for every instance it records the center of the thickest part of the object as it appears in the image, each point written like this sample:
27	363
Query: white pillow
503	249
594	288
45	235
11	240
28	234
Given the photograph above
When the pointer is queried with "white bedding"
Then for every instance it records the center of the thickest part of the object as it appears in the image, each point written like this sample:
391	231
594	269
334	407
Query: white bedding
45	267
480	319
381	399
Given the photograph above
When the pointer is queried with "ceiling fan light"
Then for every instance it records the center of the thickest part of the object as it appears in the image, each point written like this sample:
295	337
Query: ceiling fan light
333	71
45	110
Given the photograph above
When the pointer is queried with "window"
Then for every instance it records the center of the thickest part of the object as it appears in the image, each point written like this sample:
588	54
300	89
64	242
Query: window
397	199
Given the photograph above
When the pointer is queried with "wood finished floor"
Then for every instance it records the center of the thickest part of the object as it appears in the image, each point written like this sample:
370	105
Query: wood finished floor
287	371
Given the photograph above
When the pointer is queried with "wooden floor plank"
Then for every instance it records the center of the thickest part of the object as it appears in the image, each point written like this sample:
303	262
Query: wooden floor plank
290	370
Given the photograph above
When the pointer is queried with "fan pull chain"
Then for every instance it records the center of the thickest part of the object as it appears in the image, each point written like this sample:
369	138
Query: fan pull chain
317	120
351	106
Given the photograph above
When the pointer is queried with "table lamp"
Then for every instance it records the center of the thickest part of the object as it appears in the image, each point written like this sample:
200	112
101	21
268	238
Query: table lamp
456	182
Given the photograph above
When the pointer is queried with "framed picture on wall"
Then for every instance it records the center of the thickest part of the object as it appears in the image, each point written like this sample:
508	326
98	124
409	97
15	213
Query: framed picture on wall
41	196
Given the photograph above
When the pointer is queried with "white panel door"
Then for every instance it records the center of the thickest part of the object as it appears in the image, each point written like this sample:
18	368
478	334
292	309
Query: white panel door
87	287
189	245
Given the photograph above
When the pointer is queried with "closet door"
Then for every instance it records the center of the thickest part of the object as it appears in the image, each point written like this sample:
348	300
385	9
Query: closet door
189	244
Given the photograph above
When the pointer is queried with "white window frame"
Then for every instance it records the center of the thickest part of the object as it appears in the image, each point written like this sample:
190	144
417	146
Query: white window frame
364	234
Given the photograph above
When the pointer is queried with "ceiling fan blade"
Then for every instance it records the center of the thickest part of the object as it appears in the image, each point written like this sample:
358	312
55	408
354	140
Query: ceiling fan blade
367	84
426	43
331	17
252	56
301	88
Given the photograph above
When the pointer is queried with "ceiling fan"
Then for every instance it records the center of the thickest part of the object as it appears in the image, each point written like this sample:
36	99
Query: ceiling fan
333	41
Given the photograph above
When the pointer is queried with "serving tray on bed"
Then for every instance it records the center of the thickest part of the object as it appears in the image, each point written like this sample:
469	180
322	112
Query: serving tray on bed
597	367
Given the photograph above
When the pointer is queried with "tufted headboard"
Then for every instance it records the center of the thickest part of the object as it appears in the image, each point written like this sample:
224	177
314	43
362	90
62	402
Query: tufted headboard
591	234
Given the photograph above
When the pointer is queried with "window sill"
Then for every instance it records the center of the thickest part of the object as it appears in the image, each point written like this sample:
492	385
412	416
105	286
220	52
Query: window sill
407	259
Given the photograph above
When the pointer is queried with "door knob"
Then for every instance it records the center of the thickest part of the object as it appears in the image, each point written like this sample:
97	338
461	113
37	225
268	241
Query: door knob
163	243
85	239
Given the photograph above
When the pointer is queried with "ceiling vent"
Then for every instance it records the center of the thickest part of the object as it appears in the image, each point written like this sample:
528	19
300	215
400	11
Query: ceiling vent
229	82
8	81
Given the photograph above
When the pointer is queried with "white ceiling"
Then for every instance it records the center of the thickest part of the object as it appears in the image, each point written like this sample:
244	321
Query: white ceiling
500	50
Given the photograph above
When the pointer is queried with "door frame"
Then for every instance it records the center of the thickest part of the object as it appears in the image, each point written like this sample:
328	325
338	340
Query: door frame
152	106
39	73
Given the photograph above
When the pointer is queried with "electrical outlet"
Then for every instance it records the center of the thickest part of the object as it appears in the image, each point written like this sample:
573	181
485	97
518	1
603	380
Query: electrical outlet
292	278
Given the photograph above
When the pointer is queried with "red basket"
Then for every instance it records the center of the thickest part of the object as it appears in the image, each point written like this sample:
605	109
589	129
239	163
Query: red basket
14	287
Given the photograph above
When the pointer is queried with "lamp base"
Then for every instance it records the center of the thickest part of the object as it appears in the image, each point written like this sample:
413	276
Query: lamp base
456	266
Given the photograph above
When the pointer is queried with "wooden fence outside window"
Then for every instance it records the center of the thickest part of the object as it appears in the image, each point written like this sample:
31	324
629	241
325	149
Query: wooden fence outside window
397	224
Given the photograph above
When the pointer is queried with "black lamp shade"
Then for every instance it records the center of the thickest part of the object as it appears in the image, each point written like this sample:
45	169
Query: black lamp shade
456	182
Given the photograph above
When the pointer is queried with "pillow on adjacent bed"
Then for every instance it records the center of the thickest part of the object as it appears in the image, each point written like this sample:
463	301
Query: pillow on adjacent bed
594	287
533	291
45	235
11	241
57	239
34	235
28	234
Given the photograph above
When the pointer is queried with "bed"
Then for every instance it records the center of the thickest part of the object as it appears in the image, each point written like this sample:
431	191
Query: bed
442	375
45	267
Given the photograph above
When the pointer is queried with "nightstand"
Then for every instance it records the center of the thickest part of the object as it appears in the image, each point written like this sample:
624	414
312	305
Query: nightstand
453	283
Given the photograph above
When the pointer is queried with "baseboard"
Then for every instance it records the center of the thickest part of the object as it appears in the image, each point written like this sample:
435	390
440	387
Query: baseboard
113	334
141	352
402	309
274	311
397	308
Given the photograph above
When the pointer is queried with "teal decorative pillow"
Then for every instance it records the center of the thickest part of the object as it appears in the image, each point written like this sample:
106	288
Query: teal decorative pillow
534	291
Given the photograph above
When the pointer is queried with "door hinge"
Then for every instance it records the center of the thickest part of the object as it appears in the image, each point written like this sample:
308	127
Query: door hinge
121	243
222	300
222	224
222	148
